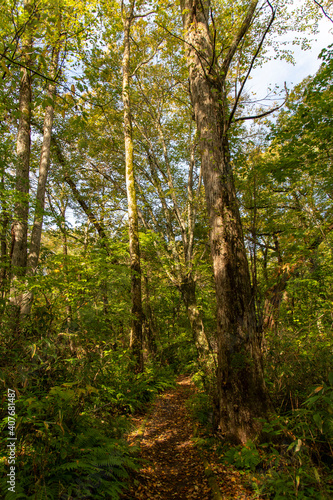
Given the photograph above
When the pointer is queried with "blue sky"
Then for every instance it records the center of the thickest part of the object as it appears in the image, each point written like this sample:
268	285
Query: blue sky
307	63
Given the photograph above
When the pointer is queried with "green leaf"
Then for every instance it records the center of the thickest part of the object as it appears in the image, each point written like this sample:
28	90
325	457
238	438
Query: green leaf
318	421
330	378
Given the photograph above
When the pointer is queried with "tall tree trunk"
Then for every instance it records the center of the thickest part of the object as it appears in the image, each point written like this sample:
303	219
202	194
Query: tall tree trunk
183	265
188	291
274	294
4	223
149	326
20	224
63	228
136	341
188	283
241	389
44	165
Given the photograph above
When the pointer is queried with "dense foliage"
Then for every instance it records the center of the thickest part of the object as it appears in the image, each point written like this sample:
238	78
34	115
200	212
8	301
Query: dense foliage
66	297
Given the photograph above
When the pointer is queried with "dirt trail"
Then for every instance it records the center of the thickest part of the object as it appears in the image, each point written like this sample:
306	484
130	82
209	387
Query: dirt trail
173	470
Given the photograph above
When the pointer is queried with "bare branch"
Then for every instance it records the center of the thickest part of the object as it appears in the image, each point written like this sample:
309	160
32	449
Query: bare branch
261	115
323	10
214	42
135	16
251	66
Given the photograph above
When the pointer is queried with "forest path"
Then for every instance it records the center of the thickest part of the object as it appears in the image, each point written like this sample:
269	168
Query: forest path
172	467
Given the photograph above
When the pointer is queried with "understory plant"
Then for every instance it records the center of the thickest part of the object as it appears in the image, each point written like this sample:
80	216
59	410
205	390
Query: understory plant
294	458
71	409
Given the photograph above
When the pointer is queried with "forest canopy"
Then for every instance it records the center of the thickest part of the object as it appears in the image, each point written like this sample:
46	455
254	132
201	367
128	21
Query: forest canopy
157	219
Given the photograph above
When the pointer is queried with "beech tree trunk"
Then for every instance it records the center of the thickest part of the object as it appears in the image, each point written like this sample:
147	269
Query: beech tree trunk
20	224
4	222
182	276
44	165
149	324
136	340
274	294
188	292
188	283
241	389
69	318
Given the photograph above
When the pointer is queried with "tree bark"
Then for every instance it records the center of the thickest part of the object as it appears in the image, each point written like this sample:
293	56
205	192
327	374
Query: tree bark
188	291
65	266
149	326
44	164
241	390
136	339
4	257
20	224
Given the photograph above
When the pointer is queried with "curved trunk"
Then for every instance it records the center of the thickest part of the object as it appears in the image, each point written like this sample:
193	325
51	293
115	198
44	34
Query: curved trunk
273	302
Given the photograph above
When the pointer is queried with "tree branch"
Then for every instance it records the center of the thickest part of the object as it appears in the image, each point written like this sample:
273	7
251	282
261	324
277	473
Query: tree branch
238	37
251	66
261	115
79	198
324	12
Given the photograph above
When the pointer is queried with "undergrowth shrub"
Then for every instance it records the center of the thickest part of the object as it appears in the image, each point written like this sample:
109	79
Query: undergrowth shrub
200	408
202	405
179	355
296	360
63	452
296	459
71	407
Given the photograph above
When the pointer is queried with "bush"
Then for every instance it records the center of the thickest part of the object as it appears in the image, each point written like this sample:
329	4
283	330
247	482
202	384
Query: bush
71	418
63	453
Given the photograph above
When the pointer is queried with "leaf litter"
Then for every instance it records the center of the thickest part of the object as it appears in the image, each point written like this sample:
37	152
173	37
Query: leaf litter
172	468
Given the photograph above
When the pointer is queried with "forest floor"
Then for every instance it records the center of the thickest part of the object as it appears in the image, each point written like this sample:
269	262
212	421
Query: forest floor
173	468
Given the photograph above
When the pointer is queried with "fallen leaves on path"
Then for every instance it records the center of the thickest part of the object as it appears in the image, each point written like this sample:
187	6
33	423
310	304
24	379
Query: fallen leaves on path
172	467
